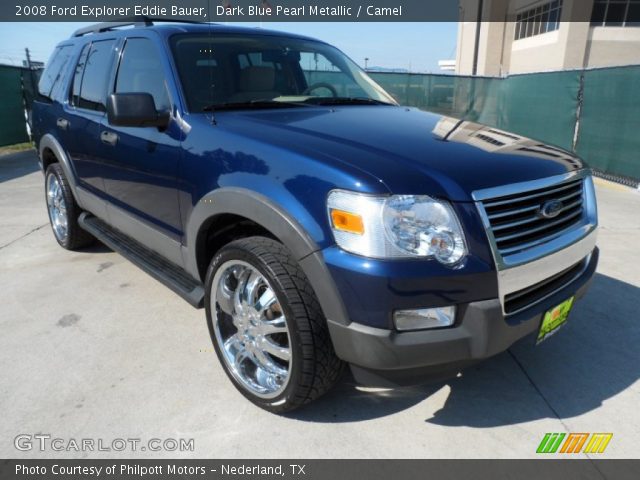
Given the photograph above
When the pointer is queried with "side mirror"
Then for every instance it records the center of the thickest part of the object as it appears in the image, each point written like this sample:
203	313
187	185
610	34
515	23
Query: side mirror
135	110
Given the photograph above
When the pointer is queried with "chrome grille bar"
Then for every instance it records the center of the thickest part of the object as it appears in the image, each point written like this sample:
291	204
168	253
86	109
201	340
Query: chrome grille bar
517	221
532	218
526	197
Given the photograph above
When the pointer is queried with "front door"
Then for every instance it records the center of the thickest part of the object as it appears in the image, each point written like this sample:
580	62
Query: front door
141	163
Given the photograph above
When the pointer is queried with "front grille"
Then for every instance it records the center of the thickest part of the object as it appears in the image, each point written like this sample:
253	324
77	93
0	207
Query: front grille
517	223
517	301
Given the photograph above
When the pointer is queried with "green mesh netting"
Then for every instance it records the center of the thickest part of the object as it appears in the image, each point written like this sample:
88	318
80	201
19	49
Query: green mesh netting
609	137
12	121
542	106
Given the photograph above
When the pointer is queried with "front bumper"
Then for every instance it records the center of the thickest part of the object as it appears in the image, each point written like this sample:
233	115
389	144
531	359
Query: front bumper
481	331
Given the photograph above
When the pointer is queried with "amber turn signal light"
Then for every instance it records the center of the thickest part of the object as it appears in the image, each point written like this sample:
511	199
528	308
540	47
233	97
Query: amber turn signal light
347	222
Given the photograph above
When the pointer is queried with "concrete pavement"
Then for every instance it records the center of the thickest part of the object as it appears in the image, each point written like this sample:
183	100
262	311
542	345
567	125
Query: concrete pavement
92	347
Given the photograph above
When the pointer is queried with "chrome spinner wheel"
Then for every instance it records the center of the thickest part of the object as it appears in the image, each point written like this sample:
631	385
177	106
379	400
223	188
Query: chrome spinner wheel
57	208
251	329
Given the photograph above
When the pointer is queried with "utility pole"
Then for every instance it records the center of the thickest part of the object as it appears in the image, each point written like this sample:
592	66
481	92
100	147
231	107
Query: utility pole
30	67
476	47
28	58
28	99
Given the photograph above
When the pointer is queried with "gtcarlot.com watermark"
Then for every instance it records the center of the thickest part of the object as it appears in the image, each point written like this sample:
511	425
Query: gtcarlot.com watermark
42	442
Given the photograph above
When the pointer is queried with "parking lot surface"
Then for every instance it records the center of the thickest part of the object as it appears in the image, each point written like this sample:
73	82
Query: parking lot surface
92	347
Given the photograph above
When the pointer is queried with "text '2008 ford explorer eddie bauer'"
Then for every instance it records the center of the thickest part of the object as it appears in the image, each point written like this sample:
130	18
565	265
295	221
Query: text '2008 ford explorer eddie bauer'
267	178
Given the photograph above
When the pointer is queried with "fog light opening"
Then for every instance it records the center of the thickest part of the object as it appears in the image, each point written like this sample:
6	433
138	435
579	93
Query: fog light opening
424	318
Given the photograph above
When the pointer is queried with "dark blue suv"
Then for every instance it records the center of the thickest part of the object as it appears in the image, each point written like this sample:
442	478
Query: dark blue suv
267	178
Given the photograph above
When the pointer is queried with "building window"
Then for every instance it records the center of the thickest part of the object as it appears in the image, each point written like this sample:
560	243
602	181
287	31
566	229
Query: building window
541	19
616	13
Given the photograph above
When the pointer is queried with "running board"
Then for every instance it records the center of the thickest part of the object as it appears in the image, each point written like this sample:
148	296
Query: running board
162	270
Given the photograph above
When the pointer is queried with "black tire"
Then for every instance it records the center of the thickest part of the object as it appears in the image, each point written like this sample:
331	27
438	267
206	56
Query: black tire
315	368
75	237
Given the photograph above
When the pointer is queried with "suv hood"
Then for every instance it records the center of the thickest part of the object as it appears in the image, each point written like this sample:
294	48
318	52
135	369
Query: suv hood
409	150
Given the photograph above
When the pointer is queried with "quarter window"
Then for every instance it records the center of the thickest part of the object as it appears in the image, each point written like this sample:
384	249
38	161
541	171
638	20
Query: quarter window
141	71
93	92
53	76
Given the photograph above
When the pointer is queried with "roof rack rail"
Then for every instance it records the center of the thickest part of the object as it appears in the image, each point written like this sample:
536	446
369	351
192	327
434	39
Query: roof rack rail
137	21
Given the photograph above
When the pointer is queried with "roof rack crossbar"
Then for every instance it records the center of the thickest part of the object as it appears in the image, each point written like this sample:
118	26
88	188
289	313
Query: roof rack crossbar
137	21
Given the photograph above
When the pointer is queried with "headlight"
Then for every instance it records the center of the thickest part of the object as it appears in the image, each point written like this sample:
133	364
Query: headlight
396	226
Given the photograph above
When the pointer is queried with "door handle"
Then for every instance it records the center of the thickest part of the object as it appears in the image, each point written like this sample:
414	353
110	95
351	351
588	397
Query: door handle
62	123
109	138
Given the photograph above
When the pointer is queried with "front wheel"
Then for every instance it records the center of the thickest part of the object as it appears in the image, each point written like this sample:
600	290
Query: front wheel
267	327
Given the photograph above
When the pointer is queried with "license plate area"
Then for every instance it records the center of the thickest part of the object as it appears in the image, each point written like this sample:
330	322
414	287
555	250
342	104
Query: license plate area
554	319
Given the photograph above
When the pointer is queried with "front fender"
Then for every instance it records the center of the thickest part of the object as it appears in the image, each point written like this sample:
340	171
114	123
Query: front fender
271	216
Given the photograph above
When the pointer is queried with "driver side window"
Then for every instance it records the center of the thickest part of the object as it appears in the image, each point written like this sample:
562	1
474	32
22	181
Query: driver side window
141	71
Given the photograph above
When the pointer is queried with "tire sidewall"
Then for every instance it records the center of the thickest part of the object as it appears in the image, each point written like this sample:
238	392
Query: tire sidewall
55	170
235	252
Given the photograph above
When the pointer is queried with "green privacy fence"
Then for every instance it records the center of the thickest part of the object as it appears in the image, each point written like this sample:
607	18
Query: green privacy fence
12	120
595	113
541	106
609	133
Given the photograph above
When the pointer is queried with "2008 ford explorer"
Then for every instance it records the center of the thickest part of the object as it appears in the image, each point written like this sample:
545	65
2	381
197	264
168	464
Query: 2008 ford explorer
265	177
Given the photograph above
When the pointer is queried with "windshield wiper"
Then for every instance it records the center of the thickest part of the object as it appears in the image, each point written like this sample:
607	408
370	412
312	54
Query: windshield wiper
254	104
346	101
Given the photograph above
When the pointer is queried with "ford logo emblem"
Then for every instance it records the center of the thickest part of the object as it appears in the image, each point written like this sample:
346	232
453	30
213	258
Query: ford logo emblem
551	209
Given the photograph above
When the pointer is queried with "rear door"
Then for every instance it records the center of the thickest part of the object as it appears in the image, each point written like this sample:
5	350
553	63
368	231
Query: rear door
83	113
47	109
142	162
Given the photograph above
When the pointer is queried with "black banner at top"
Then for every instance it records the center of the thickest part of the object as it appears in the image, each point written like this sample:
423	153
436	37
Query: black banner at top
284	10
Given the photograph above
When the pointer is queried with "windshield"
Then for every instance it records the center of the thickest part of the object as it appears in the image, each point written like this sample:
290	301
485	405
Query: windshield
266	71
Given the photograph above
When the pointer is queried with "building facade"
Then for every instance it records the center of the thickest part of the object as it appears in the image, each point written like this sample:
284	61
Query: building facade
539	36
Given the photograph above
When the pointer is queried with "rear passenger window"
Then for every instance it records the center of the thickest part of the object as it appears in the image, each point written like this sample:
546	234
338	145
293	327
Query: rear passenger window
53	76
77	76
93	92
141	71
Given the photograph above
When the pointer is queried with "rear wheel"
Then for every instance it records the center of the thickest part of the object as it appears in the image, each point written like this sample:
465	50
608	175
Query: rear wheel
63	210
267	326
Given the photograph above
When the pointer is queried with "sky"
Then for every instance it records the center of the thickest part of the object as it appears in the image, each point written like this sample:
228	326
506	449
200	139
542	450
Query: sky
413	46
